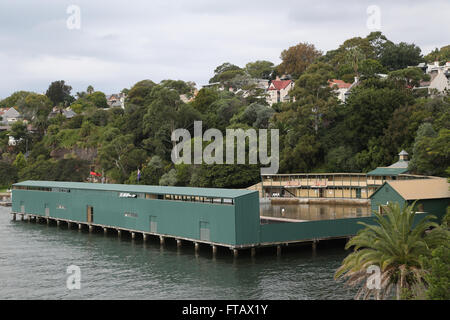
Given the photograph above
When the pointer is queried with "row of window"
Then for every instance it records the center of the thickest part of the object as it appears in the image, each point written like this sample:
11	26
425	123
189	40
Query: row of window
41	189
174	197
143	195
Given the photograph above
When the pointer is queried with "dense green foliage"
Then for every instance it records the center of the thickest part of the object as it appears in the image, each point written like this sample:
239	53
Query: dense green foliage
398	248
318	133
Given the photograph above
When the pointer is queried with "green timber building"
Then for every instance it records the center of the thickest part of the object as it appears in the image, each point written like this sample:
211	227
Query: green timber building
221	216
218	217
432	196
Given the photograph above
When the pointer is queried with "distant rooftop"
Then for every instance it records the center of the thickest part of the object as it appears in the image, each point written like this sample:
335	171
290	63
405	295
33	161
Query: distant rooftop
421	188
181	191
387	171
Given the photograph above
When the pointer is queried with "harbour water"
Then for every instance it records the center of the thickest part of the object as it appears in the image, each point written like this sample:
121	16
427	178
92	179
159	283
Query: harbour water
34	260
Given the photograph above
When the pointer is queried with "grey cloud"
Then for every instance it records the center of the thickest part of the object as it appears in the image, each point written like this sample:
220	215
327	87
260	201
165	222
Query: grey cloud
120	43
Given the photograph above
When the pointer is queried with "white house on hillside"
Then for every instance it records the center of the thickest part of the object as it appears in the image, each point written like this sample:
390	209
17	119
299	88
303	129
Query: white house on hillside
439	77
340	87
9	115
278	91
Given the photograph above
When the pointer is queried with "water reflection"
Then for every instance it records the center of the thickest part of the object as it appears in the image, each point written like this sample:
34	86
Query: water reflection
314	211
34	258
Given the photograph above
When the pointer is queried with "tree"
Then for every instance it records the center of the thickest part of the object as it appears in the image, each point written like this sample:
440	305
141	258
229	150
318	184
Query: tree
115	154
395	244
368	110
15	99
90	89
256	116
169	178
20	161
410	77
260	69
297	58
98	99
151	173
442	55
59	93
139	93
438	273
400	56
225	72
8	174
431	151
370	68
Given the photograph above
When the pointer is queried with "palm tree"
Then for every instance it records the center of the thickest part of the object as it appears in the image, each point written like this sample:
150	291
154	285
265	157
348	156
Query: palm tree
395	245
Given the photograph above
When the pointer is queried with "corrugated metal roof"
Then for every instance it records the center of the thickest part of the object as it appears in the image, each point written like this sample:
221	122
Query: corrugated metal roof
400	164
181	191
385	171
416	189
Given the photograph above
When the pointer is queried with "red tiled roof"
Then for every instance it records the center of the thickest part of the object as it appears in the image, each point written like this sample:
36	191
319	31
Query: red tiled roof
279	84
339	83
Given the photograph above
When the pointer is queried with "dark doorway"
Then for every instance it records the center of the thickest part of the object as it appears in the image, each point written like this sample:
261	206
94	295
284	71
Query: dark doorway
90	214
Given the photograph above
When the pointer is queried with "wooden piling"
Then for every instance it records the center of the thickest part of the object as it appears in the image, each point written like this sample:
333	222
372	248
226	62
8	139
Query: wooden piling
144	237
278	250
253	252
133	235
196	246
105	230
161	240
178	243
91	228
235	253
214	250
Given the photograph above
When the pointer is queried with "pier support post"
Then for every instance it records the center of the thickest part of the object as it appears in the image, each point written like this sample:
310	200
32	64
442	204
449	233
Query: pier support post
69	225
133	235
178	243
161	240
105	230
29	218
253	252
278	250
119	233
80	226
314	246
48	221
14	217
91	228
37	219
196	246
214	250
58	222
235	253
144	237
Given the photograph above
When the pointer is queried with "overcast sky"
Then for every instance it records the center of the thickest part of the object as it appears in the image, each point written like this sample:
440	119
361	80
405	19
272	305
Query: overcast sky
121	42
